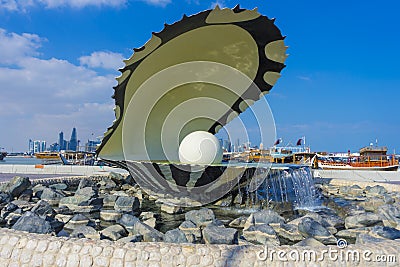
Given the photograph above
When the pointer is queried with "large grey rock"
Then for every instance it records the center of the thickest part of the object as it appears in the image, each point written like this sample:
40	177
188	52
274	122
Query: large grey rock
261	234
192	232
368	239
85	232
220	235
376	190
390	215
149	234
201	217
114	232
128	221
15	186
76	221
106	184
362	220
38	189
350	235
59	186
175	236
308	227
386	232
88	192
288	232
32	223
238	222
52	196
26	195
109	200
43	208
117	177
170	209
263	217
110	215
127	204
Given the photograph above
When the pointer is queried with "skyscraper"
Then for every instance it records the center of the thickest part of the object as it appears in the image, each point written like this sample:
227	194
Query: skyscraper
73	143
61	141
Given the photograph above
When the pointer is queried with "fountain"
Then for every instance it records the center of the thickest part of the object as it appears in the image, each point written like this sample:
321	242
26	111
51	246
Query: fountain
195	78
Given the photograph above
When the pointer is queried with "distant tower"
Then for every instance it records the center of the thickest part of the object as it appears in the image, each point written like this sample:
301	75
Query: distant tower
73	143
61	141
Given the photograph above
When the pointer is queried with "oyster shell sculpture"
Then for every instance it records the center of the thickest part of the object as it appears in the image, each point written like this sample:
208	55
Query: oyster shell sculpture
195	75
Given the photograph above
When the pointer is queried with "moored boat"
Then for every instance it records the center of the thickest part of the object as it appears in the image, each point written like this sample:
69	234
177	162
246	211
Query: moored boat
370	158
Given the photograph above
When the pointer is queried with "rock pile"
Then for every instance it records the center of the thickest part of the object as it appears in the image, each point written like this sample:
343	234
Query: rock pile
115	208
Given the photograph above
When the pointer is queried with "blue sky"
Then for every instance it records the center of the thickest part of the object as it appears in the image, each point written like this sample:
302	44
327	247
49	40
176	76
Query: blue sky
340	89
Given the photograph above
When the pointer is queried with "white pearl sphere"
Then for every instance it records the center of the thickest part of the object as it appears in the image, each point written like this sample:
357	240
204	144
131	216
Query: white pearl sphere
200	147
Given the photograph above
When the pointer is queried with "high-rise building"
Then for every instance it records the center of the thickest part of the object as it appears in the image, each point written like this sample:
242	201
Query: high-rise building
39	146
73	143
30	148
61	141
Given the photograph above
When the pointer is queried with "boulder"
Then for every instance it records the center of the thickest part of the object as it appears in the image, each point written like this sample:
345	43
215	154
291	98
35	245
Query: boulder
390	215
362	220
52	196
376	190
85	232
308	227
152	222
109	200
32	223
175	236
238	222
110	215
43	208
288	232
114	232
213	234
117	177
26	195
88	192
76	221
367	239
127	204
128	221
385	232
170	209
15	186
59	186
192	232
263	217
149	234
261	234
106	184
201	217
38	189
351	234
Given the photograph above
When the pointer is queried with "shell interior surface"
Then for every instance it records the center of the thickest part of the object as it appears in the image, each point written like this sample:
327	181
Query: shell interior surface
197	74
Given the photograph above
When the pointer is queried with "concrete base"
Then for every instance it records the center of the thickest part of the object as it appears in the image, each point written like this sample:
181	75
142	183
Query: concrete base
359	176
59	169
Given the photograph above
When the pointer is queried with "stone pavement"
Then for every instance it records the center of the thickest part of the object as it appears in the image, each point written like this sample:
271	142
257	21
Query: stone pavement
24	249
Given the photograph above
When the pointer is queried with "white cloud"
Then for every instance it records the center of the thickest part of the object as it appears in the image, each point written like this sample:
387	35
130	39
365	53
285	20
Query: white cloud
158	2
41	97
22	5
13	47
101	59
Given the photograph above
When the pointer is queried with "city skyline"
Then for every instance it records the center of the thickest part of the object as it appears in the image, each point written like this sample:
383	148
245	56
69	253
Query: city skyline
339	89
